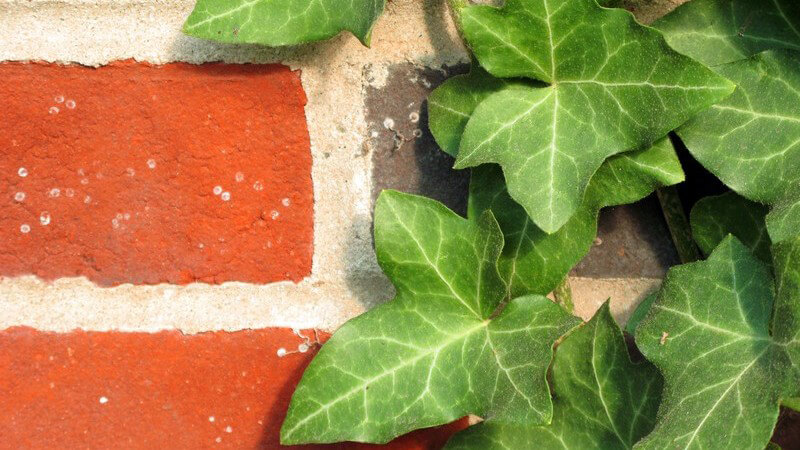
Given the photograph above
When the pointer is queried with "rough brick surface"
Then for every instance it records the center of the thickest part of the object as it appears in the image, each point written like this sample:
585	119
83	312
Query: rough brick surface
133	173
164	390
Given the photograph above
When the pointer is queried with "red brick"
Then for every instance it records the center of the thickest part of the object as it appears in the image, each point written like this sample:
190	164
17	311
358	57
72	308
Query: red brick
124	160
143	391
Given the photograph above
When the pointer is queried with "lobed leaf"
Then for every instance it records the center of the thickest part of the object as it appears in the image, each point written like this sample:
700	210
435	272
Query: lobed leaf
709	334
281	22
601	399
534	262
721	31
751	140
714	218
436	352
614	85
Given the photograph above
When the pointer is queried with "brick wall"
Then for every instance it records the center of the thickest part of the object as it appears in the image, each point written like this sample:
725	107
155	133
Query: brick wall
174	211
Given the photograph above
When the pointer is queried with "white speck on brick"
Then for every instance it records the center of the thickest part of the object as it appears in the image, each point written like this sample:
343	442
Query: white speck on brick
286	202
374	134
119	216
69	192
281	352
70	104
130	171
87	199
127	216
23	172
258	185
59	99
218	440
44	218
211	418
85	181
229	429
25	228
103	400
55	192
115	223
225	196
274	214
53	110
217	190
239	177
388	123
151	163
19	197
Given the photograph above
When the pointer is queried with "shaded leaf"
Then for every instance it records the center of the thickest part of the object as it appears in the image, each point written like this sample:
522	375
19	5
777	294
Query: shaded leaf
435	353
751	140
709	334
783	221
600	398
721	31
614	86
714	218
534	262
281	22
640	313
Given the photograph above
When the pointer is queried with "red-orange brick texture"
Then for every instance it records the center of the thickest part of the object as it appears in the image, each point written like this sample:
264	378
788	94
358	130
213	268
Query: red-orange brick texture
163	390
133	173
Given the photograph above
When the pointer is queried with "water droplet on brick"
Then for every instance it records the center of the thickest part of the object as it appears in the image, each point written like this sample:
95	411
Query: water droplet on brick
217	190
239	177
53	110
44	218
274	214
225	196
19	197
286	202
25	228
55	192
151	163
23	172
70	104
59	99
258	185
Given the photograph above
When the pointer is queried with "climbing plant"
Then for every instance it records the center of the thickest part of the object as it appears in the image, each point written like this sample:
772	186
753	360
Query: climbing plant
567	109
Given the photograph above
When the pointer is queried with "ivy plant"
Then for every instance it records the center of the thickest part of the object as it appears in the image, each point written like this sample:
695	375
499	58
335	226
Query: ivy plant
281	22
565	111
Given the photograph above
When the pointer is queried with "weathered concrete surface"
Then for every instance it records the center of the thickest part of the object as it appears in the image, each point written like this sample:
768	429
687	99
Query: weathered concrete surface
344	278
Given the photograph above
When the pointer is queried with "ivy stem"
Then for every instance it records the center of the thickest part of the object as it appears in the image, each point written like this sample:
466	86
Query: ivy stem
678	224
563	295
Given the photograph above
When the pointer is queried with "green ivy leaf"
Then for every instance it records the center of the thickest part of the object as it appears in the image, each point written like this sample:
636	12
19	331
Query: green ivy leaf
709	334
281	22
783	222
751	140
452	103
600	398
722	31
436	352
534	262
614	85
714	218
640	313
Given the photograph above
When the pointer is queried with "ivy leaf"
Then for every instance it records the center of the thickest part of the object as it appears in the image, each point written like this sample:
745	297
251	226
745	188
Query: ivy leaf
783	222
640	313
614	86
452	103
714	218
600	398
751	140
722	31
534	262
709	334
281	22
436	352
